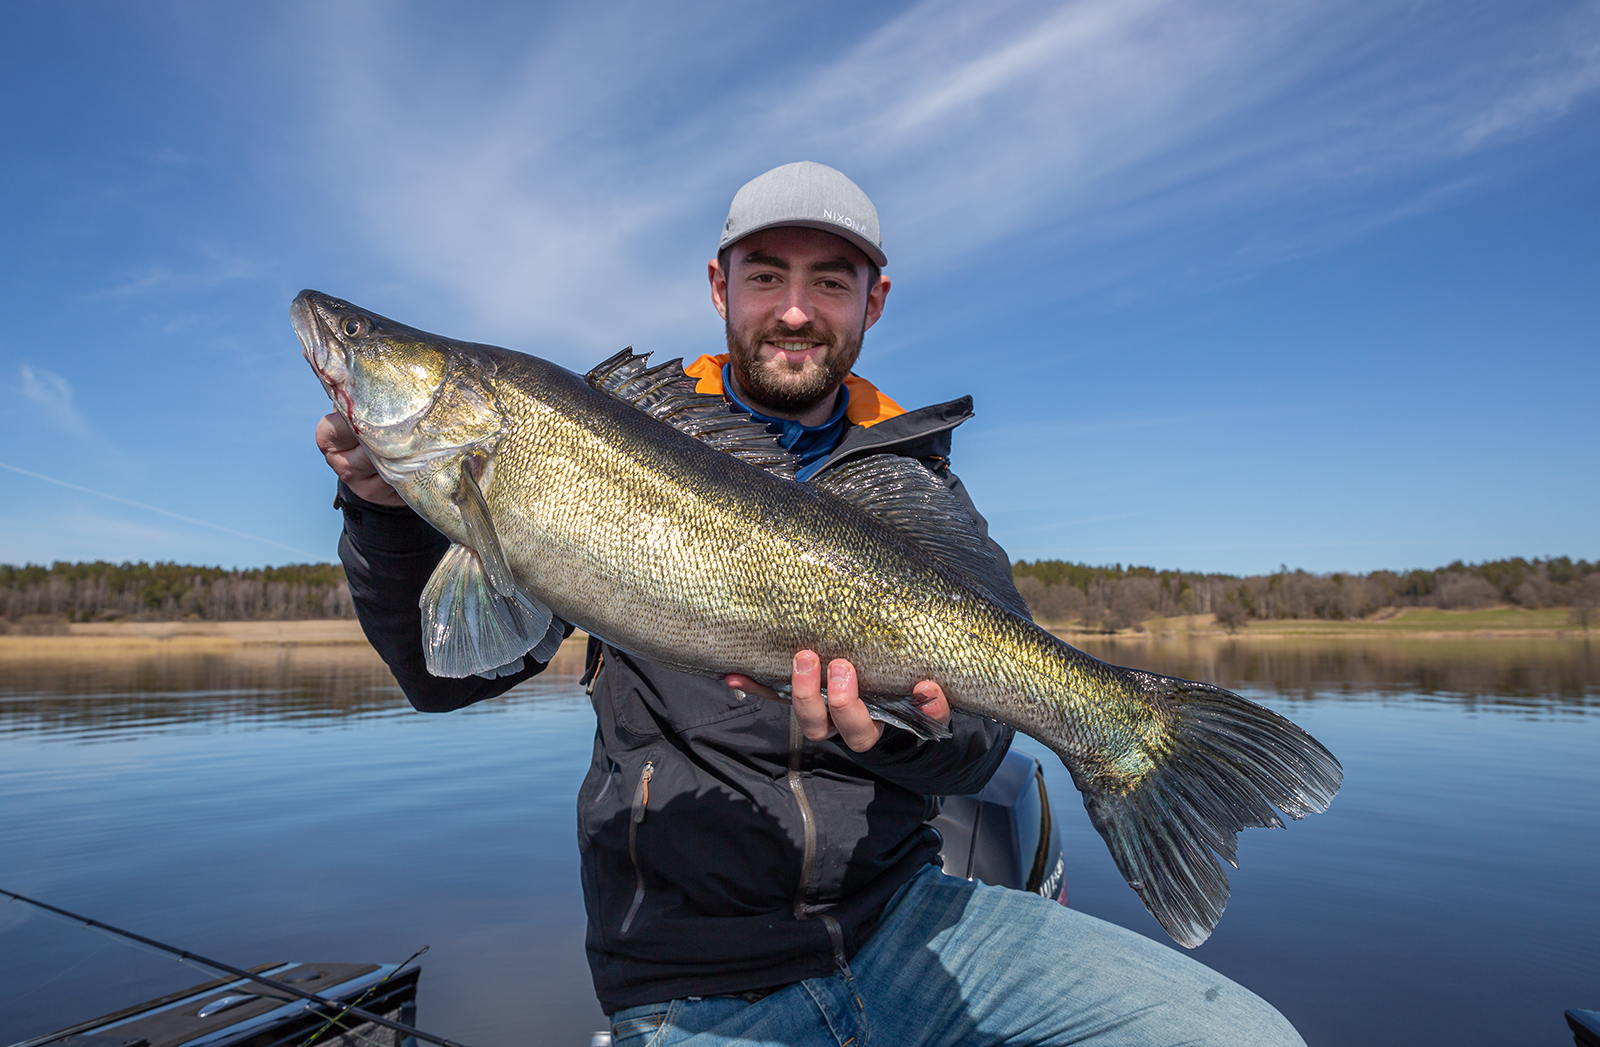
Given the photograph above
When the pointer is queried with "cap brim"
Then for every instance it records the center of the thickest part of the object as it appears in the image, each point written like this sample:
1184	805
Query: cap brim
868	248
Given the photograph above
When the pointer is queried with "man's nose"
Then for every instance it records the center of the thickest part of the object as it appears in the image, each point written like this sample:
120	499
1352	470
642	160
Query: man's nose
795	317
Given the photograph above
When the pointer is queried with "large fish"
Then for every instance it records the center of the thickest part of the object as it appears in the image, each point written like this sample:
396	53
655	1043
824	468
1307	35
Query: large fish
647	514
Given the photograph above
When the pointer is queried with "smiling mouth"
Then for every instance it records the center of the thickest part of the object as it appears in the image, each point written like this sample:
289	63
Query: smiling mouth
792	349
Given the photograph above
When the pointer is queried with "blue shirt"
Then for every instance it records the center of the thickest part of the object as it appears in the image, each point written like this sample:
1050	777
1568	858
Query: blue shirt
813	443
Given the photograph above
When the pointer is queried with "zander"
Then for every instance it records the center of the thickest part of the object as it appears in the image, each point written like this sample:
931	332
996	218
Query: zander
643	512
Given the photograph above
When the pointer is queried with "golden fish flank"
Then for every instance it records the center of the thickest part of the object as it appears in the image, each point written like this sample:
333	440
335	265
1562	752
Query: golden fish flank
641	511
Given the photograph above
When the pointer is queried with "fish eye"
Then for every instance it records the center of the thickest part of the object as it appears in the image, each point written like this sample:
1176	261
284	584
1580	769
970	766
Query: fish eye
354	326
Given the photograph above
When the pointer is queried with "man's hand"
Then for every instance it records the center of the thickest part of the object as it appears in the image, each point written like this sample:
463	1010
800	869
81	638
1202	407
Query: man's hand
841	711
351	463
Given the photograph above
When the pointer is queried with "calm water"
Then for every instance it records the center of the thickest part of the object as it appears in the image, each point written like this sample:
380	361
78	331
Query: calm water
286	804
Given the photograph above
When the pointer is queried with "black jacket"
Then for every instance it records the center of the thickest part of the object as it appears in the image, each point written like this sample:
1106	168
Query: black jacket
717	858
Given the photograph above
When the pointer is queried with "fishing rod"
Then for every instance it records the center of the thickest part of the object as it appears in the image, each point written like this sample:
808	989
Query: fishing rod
184	954
370	991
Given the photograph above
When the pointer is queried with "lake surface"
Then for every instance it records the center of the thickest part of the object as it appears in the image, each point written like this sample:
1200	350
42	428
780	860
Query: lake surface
286	804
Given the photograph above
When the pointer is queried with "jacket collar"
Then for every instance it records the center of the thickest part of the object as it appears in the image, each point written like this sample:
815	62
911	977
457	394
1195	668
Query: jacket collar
868	406
923	433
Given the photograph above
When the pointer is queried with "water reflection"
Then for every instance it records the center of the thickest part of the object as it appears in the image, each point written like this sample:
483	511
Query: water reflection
1505	673
160	688
168	684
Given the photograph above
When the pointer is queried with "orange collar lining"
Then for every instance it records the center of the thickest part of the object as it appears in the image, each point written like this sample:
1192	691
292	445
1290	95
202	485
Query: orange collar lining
868	406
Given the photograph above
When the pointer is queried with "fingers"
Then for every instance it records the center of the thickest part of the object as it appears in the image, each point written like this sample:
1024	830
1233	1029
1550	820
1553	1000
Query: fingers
810	707
841	709
351	463
930	698
335	434
741	682
855	724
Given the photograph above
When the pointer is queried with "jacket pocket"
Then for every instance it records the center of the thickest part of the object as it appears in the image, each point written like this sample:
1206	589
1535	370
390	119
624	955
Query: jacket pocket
634	693
641	804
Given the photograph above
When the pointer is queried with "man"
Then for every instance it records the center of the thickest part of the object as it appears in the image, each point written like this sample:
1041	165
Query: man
756	872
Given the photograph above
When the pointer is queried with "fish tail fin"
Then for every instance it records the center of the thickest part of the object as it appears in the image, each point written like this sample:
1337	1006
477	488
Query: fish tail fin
1223	764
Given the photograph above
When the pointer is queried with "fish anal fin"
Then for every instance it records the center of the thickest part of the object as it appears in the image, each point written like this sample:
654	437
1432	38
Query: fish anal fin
905	713
468	628
902	493
668	395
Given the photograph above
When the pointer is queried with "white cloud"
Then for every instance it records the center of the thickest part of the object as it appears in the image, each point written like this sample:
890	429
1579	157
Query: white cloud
52	393
571	193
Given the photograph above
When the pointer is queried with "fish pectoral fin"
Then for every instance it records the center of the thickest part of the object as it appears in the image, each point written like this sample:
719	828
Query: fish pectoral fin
511	668
468	628
903	712
468	498
554	635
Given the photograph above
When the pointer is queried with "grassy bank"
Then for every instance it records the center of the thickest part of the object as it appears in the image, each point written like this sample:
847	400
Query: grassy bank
1412	622
340	637
100	639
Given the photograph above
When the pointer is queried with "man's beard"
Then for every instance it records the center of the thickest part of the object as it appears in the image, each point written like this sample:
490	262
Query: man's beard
791	388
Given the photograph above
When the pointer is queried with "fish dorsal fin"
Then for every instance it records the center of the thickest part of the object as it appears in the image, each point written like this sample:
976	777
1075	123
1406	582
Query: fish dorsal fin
902	493
668	395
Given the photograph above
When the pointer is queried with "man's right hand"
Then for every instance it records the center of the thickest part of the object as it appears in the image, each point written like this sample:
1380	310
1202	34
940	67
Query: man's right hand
351	463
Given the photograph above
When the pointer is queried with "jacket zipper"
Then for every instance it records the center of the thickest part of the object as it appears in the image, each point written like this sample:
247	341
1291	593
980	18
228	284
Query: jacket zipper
808	821
641	800
808	860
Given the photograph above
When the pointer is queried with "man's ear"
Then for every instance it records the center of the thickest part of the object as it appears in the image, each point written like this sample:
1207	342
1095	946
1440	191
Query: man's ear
719	288
875	298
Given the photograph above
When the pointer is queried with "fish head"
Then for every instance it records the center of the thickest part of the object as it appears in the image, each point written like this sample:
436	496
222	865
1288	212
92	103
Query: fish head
419	403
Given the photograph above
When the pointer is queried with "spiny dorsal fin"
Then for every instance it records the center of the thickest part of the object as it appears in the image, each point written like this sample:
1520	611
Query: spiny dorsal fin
904	494
668	395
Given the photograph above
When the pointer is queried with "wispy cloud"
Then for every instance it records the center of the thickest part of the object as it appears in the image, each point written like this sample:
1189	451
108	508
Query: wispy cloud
214	269
569	198
154	509
53	394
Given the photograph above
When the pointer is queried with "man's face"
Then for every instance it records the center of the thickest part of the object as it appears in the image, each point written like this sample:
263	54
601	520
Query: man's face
796	302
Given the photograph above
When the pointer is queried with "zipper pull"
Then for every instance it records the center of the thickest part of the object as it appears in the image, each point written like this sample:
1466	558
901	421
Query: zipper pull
641	799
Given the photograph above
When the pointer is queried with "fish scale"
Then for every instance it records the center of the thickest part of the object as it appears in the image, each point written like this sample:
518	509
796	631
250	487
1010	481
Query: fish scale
701	552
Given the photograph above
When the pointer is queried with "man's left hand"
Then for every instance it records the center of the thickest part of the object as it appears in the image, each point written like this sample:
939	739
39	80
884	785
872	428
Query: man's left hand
841	711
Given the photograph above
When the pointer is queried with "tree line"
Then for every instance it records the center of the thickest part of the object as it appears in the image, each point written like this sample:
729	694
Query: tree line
1116	597
1107	597
101	592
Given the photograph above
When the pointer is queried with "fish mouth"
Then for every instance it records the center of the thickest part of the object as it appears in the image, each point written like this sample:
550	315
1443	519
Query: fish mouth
327	359
349	350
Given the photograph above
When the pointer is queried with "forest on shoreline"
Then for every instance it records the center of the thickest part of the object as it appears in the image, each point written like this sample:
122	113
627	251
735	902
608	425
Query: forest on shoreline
35	598
1118	597
38	599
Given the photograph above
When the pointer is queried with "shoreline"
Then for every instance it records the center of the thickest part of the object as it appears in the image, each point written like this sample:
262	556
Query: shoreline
335	638
1410	623
134	639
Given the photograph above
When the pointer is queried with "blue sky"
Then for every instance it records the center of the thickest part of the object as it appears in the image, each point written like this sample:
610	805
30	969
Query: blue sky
1234	284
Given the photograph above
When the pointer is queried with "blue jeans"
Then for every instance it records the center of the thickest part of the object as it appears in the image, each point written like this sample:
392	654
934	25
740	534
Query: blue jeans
961	964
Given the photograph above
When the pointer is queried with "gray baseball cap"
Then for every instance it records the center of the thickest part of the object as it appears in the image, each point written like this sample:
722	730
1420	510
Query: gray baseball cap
806	194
